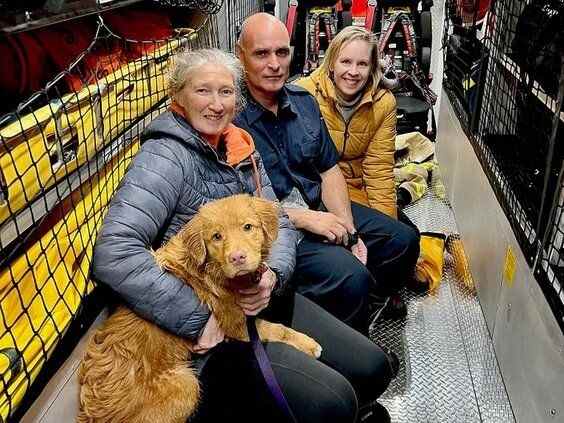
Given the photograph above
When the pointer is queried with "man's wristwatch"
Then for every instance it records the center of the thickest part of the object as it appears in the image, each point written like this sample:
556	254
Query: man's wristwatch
352	240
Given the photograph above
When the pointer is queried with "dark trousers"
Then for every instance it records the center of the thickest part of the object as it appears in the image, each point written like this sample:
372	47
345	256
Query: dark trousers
332	277
351	372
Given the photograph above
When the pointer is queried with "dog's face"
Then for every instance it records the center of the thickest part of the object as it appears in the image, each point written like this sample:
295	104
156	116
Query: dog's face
234	234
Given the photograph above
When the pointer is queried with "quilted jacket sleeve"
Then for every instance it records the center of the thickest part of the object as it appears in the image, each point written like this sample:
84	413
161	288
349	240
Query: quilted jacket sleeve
122	259
307	83
378	165
283	255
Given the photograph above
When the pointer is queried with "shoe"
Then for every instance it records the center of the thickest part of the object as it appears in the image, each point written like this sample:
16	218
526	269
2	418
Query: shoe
375	413
396	309
386	308
417	285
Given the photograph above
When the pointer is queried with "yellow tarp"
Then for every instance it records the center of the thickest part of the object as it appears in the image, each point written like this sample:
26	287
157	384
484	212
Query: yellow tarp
82	123
41	290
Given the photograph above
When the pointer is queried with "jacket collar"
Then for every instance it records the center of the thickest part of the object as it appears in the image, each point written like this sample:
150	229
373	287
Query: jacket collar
238	143
254	110
324	85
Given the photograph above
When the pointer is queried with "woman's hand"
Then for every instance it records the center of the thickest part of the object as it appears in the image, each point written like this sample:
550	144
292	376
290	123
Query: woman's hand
210	337
254	300
360	251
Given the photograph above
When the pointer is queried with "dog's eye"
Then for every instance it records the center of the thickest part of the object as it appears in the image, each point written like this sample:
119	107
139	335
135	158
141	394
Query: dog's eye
217	236
248	227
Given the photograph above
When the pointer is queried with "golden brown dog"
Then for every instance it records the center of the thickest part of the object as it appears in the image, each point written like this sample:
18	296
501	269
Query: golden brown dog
133	371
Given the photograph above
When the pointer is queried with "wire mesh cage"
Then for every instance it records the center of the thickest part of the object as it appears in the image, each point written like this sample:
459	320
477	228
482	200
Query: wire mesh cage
550	264
206	6
62	154
517	126
522	115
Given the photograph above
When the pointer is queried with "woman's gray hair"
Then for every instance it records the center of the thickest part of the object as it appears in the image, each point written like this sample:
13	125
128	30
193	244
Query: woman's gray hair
185	62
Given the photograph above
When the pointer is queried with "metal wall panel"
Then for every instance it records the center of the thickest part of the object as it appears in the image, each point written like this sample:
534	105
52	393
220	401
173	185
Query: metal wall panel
447	150
528	342
530	349
473	203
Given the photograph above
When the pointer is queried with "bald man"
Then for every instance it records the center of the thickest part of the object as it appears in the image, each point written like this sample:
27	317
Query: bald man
301	161
342	386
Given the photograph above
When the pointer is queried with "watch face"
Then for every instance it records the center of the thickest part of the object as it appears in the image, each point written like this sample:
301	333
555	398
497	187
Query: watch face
353	239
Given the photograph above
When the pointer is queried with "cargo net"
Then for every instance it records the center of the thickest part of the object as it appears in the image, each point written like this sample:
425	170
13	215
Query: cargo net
518	127
62	155
206	6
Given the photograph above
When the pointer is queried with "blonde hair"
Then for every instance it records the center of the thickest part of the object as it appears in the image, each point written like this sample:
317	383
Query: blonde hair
185	62
350	34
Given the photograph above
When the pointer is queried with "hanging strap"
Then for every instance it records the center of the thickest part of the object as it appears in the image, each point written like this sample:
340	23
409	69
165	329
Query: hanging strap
256	177
260	353
408	35
388	26
370	14
291	19
267	372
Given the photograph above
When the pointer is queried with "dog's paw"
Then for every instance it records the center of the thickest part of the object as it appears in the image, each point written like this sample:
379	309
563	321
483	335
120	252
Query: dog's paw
317	352
308	345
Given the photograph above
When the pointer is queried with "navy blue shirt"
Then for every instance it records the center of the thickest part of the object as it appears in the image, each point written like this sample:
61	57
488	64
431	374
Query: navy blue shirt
295	145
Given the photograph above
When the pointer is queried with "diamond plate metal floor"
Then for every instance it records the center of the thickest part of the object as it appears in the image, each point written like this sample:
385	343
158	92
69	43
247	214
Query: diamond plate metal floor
449	371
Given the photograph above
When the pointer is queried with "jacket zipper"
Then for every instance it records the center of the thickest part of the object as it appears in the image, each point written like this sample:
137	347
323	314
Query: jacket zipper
345	136
233	169
346	133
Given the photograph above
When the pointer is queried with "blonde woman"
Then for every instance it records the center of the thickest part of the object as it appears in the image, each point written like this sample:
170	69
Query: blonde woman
360	115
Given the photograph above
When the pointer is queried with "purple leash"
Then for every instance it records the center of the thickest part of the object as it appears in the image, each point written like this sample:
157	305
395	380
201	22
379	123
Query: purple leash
267	372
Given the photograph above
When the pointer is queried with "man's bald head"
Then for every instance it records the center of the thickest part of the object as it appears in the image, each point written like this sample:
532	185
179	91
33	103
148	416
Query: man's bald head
264	50
260	23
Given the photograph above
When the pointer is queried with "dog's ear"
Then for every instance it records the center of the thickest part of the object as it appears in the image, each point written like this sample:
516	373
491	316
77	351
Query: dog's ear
267	212
185	252
193	240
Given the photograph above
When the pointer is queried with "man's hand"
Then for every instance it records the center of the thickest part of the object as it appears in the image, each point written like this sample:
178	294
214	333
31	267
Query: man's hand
256	299
210	337
328	225
360	251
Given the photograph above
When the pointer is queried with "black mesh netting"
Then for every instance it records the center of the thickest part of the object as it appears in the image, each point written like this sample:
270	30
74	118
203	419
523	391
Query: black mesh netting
205	6
92	85
505	79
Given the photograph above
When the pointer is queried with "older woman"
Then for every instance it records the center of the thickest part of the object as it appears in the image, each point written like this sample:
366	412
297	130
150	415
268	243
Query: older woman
191	155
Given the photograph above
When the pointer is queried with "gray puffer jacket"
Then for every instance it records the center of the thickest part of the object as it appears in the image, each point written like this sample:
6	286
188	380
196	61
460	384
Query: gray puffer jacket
173	174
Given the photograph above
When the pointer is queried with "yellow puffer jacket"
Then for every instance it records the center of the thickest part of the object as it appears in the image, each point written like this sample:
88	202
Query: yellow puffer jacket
366	143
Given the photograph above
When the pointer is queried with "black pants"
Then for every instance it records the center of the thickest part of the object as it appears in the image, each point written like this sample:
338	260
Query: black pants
332	277
352	371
